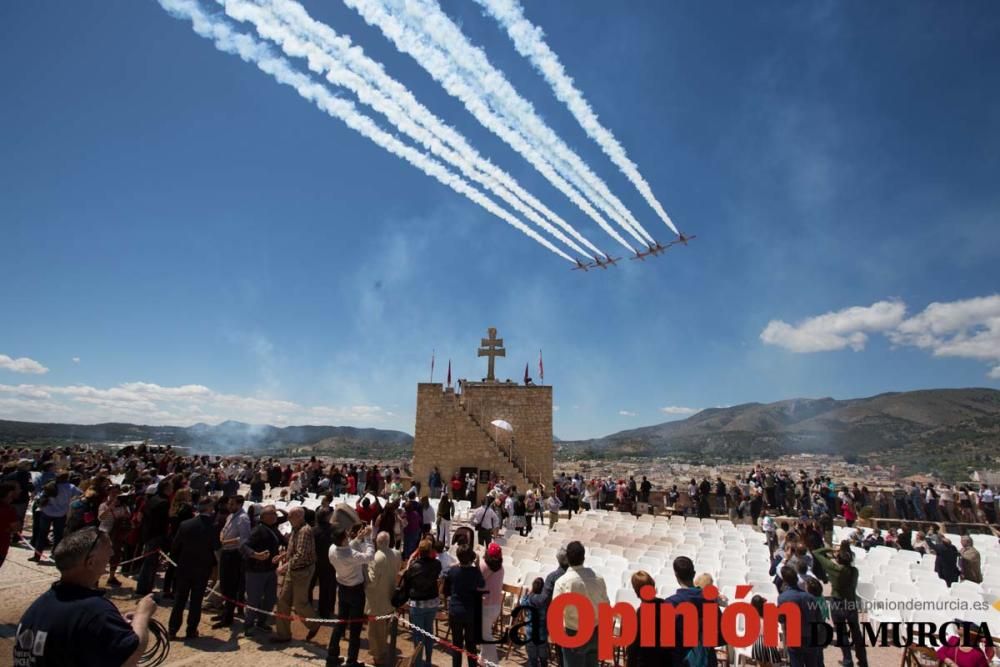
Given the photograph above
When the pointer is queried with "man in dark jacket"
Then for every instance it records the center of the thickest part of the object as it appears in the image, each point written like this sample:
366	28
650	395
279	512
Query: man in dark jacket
193	550
325	575
550	581
155	523
899	500
946	561
720	495
274	476
689	594
802	655
904	540
261	571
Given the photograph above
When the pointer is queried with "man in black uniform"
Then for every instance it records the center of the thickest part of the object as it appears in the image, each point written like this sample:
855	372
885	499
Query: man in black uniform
155	523
194	551
261	577
324	575
644	490
73	624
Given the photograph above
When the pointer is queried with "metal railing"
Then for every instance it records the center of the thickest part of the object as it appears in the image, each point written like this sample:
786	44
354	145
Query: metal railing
507	452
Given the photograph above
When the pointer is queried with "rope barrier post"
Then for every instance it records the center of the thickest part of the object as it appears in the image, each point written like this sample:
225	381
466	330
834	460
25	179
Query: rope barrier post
393	634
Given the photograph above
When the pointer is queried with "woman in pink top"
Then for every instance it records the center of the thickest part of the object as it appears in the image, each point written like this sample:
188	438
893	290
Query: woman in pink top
850	516
492	569
953	655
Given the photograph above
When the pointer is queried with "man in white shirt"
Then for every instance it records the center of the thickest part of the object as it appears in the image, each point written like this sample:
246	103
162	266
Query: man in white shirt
487	522
470	487
987	502
553	504
583	581
770	530
350	560
444	557
509	509
947	502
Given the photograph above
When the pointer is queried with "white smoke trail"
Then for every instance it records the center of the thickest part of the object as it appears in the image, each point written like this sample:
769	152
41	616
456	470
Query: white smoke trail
353	57
426	16
296	34
253	51
529	40
440	66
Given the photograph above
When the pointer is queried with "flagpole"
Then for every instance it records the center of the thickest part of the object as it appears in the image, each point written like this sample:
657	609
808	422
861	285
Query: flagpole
432	366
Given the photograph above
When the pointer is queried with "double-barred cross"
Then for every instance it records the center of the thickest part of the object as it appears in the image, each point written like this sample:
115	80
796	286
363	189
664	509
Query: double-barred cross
492	348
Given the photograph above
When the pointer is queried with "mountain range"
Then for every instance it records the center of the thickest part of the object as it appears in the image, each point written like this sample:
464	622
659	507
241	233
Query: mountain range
229	436
946	431
936	430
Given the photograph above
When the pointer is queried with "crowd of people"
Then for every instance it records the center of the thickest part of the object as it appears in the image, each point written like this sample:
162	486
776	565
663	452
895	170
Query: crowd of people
263	565
782	492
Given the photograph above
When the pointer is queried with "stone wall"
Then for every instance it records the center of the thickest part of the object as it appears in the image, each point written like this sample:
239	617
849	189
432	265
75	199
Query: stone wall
453	431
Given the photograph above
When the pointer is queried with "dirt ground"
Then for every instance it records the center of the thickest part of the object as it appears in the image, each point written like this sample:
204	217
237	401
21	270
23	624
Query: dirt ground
22	581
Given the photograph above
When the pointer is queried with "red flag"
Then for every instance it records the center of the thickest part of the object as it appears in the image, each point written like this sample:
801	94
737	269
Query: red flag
526	378
449	372
541	368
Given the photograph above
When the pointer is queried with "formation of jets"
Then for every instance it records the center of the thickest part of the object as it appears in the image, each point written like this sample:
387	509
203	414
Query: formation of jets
651	250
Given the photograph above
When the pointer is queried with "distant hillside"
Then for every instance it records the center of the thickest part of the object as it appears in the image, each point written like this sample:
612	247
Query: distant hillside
229	436
937	430
947	431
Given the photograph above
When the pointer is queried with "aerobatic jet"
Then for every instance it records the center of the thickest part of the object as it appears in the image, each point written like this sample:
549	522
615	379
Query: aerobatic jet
610	261
654	249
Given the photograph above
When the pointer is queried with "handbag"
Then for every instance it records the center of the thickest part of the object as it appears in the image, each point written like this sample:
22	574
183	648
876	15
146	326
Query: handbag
401	595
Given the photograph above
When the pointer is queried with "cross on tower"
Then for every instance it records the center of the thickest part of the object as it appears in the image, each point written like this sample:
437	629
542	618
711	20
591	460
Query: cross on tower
492	347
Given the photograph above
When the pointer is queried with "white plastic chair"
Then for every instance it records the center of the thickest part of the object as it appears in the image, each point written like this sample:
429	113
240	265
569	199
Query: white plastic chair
865	591
892	609
905	588
618	562
650	562
966	588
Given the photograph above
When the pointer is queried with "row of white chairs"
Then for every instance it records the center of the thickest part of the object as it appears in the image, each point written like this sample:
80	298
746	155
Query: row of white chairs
732	559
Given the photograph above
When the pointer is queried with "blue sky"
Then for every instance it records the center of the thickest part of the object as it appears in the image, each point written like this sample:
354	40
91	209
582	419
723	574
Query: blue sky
184	239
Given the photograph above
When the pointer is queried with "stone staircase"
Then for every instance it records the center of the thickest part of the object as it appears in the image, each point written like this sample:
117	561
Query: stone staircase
512	471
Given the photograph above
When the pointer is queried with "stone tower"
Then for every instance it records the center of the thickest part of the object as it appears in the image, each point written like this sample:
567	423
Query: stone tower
453	430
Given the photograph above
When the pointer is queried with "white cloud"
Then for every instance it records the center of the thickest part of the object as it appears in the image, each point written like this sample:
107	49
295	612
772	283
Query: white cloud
555	408
149	403
835	330
76	360
24	391
22	365
627	413
678	410
967	329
